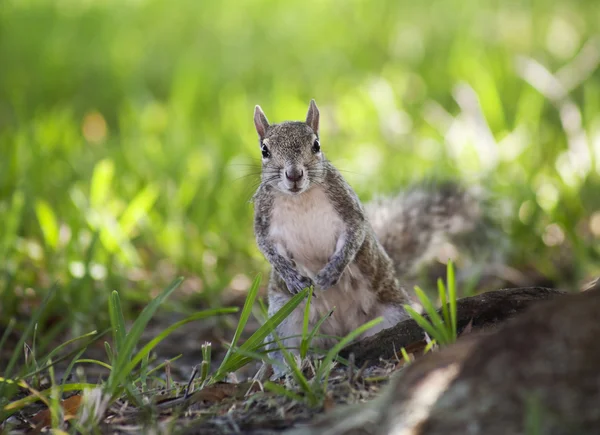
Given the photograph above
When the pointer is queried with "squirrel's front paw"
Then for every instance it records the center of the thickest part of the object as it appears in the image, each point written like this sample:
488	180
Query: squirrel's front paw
296	283
326	278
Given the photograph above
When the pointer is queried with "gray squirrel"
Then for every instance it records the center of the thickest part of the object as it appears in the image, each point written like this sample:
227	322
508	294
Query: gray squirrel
313	229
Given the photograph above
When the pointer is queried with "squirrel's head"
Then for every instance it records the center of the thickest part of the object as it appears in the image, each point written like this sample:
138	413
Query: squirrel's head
292	160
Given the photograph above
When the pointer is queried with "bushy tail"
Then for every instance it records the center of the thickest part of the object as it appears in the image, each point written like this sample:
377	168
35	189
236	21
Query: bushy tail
416	225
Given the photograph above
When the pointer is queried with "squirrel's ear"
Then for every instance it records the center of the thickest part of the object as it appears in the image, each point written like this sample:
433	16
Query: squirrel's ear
260	122
312	117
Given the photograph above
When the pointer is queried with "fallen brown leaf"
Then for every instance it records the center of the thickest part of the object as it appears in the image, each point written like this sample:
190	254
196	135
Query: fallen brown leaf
223	390
70	407
416	348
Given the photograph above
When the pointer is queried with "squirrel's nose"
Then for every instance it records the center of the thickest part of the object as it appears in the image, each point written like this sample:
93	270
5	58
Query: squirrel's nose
294	174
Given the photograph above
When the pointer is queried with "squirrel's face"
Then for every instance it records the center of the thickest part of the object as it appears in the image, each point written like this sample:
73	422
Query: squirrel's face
292	160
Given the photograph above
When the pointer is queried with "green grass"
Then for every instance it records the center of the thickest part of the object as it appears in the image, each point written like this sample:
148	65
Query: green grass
239	357
442	329
124	149
129	369
128	155
131	376
313	390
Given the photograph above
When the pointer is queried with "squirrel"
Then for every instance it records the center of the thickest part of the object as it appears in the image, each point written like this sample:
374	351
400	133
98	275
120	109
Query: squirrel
313	229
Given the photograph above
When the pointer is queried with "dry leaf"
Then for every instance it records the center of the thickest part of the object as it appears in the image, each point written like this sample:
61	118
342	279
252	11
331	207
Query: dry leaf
414	351
70	408
416	347
223	390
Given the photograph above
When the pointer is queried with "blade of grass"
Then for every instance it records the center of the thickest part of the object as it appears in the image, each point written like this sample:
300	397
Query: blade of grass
256	340
336	358
18	382
443	301
422	322
69	369
124	355
152	343
260	356
117	321
48	223
94	361
434	317
67	356
334	337
405	356
206	360
18	404
296	371
246	311
318	325
264	311
33	346
55	409
60	347
109	353
161	365
281	391
6	333
429	346
451	283
340	345
30	326
304	342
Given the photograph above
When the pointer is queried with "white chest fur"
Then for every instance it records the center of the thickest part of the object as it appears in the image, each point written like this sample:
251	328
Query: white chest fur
306	229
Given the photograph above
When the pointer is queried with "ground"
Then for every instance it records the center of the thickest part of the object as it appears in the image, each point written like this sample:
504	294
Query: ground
244	405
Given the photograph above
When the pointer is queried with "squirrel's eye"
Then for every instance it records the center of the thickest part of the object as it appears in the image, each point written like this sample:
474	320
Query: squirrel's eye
316	146
265	152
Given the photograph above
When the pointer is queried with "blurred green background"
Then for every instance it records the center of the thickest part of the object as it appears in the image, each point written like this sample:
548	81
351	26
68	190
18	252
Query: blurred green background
128	154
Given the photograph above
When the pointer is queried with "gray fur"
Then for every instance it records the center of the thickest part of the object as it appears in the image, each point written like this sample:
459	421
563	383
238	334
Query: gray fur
413	225
313	229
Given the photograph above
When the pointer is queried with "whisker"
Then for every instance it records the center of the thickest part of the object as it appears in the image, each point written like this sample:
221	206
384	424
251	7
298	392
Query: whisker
246	176
352	172
267	173
244	165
